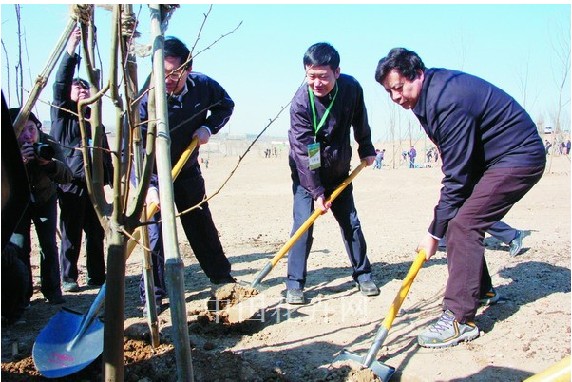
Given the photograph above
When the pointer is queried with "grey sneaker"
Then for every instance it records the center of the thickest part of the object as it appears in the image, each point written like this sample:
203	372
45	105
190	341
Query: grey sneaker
516	244
368	288
70	286
295	296
447	331
490	298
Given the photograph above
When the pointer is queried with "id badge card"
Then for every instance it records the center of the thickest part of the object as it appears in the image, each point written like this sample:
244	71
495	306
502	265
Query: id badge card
314	156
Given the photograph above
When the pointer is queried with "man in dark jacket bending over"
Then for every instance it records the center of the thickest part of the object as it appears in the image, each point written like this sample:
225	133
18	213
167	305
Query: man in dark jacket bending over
492	156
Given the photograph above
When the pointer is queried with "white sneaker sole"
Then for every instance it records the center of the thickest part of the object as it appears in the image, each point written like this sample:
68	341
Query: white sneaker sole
469	336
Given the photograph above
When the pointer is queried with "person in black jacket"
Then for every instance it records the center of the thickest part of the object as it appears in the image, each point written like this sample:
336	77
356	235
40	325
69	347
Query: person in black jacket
492	156
15	292
76	210
321	117
198	107
46	167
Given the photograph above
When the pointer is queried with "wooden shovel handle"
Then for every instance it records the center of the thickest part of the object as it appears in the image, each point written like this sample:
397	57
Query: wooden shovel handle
308	223
153	207
404	290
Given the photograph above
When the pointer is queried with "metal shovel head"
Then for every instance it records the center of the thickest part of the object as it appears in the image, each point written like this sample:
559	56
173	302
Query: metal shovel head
259	287
384	372
50	352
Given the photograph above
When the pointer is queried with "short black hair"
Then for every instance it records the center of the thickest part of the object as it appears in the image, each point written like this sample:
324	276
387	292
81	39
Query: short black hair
407	62
322	54
173	47
14	111
83	83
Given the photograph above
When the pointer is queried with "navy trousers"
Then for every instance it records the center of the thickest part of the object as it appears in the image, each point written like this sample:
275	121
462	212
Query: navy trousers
77	215
345	213
44	216
158	259
199	227
499	230
492	197
502	232
15	276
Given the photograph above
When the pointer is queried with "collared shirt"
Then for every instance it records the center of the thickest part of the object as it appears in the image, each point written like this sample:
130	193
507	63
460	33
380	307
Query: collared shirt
347	111
175	101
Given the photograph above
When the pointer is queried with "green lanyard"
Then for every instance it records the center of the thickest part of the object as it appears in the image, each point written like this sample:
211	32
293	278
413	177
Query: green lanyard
325	116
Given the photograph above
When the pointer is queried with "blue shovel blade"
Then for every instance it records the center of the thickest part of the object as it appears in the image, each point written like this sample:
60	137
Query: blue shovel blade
50	353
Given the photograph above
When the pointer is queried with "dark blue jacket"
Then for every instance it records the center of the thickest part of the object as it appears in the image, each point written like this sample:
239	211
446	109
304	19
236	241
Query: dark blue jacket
476	126
205	104
336	152
65	127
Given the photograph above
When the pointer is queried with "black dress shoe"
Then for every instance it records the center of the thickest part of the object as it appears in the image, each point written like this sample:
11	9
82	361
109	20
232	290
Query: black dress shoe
295	297
368	288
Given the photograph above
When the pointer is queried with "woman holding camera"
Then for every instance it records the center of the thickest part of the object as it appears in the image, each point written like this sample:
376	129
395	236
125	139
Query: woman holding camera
45	166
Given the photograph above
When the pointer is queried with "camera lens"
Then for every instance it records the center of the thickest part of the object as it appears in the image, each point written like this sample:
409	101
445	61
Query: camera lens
44	151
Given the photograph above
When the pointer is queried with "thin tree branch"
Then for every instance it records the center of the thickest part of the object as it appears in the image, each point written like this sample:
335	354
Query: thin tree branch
218	39
240	158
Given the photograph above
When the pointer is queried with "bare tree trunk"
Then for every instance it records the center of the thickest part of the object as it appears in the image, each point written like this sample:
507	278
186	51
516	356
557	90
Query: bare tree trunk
115	293
114	309
173	262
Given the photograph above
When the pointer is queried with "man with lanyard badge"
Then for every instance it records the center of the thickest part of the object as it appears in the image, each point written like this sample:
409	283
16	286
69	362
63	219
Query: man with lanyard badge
321	117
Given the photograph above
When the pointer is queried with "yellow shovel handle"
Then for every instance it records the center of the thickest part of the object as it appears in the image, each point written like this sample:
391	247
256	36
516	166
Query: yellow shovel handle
308	223
560	371
404	290
153	207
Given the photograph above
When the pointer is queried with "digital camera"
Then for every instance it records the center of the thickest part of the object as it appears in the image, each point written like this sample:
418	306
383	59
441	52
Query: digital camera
44	151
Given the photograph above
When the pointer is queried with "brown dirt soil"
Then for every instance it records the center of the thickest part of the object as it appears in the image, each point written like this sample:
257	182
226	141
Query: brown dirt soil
523	335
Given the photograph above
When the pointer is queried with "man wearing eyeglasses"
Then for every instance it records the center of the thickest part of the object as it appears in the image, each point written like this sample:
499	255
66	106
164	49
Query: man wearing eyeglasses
197	107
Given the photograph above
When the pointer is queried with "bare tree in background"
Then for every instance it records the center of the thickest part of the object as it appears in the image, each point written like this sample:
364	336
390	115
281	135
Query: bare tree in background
561	71
19	71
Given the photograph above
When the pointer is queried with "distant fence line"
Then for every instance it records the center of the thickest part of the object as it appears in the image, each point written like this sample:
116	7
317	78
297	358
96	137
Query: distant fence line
229	146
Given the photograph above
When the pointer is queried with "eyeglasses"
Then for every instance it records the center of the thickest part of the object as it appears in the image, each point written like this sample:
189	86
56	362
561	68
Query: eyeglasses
175	74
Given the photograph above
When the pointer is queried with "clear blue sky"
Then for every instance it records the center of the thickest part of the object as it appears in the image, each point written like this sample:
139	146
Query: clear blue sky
260	64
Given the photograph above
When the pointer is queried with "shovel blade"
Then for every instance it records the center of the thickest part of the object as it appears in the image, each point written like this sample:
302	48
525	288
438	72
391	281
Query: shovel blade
384	372
50	354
